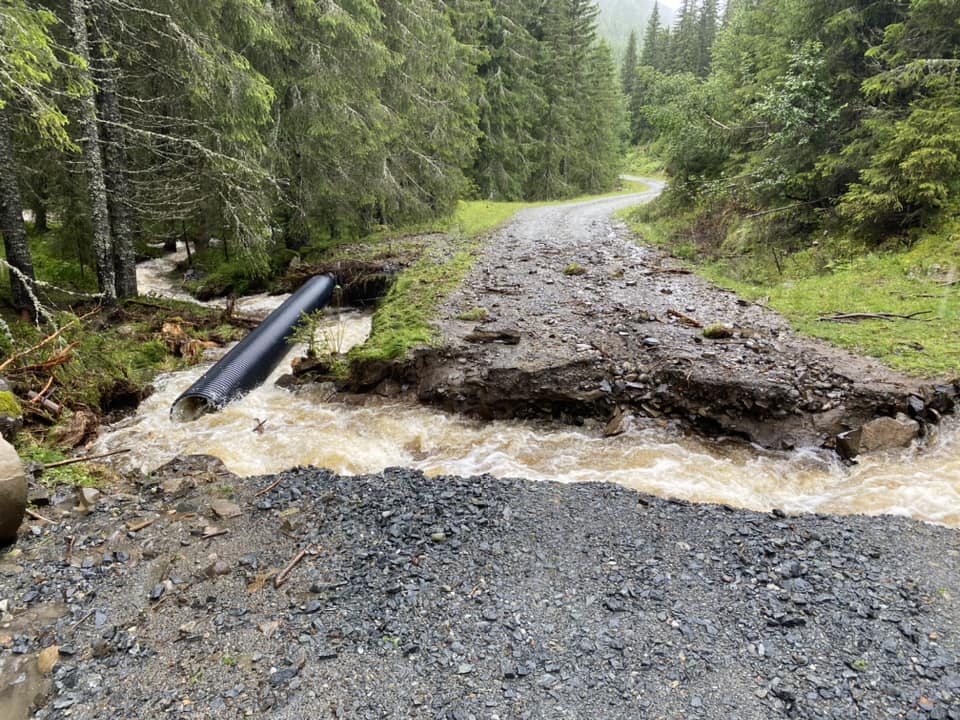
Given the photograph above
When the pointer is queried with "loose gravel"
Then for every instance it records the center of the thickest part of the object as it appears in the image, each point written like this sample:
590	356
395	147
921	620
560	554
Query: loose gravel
459	598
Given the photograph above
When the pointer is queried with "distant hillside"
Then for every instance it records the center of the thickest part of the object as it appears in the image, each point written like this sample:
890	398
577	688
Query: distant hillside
619	17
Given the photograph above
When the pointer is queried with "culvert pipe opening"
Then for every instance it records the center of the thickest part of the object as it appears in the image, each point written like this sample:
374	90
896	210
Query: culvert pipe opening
252	360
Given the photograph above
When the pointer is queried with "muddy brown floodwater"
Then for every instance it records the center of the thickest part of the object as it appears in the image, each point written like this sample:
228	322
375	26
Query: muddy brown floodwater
654	456
301	429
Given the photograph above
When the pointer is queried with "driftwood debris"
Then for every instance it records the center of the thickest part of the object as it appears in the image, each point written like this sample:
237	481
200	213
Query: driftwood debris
684	319
856	317
268	488
85	458
508	336
282	575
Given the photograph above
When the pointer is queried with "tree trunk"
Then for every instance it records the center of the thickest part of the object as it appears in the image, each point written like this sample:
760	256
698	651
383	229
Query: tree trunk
40	224
37	202
115	170
11	223
93	163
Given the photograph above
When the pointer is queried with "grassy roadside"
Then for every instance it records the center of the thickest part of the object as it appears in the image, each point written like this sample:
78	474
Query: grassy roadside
841	275
403	319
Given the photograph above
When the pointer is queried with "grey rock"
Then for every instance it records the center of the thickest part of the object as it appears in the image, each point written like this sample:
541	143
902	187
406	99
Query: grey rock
883	433
13	492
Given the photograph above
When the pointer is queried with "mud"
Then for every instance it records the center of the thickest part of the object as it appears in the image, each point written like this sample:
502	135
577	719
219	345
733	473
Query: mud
583	322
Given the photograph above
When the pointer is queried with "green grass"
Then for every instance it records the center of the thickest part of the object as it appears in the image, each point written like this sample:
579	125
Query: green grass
404	319
78	475
641	161
838	275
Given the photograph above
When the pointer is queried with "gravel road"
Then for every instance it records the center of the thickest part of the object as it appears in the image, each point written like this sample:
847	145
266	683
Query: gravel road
460	598
578	320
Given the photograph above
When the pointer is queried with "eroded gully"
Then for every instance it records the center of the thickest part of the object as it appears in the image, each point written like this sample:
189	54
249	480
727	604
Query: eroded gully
303	428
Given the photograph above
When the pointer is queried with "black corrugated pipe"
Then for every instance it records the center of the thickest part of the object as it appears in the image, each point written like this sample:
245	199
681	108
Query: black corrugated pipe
253	359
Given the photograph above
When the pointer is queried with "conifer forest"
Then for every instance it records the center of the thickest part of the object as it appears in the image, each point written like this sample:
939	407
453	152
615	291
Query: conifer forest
270	125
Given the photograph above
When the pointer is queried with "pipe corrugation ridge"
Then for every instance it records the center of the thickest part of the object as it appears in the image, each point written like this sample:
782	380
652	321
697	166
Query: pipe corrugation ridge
252	360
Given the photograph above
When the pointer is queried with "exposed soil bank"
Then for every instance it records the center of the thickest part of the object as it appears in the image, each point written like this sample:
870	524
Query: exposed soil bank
476	598
582	322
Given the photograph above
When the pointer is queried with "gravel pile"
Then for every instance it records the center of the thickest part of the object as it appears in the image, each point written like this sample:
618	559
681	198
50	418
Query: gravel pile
452	598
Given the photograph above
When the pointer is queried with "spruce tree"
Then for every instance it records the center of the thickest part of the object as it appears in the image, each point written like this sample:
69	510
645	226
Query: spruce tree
510	103
28	64
651	52
628	70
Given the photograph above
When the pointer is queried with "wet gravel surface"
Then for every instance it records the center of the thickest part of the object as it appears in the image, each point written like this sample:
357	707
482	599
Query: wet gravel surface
577	319
459	598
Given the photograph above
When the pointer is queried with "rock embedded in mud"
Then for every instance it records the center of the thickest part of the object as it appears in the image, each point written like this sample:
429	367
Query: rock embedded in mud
13	492
620	423
887	433
224	509
883	433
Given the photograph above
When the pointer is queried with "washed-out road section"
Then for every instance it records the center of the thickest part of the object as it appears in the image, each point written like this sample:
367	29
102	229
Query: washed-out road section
565	316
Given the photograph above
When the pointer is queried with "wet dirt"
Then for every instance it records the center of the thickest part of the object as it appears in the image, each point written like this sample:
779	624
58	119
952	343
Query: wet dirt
583	322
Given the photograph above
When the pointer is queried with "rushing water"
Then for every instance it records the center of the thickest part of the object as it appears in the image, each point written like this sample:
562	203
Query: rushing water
154	277
302	429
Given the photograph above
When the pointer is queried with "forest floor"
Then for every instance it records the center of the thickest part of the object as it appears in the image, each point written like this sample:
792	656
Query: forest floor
564	315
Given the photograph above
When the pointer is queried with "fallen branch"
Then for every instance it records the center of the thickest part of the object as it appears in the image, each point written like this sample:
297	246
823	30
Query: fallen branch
39	395
60	358
854	317
46	341
71	461
668	271
138	525
268	488
37	516
282	575
684	319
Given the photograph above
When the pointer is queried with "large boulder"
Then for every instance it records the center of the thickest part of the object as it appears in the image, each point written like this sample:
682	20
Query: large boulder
882	433
13	492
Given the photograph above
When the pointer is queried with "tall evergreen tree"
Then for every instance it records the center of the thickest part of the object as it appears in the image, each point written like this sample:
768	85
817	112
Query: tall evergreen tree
685	40
509	104
427	94
707	35
628	70
28	62
651	54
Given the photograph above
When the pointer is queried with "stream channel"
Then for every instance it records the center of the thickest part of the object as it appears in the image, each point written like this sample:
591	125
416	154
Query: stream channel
302	429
